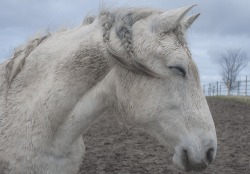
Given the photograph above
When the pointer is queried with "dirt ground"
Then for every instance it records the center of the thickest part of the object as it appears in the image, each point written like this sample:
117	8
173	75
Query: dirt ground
109	150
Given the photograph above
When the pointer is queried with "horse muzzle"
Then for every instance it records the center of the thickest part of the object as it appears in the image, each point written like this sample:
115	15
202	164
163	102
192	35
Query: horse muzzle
190	157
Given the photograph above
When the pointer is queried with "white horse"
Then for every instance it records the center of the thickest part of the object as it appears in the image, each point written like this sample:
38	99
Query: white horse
133	59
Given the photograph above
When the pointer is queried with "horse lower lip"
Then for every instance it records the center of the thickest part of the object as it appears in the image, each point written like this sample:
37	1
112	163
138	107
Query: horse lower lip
181	162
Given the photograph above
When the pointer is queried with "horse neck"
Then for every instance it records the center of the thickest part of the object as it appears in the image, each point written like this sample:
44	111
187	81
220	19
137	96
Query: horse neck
98	85
72	84
86	111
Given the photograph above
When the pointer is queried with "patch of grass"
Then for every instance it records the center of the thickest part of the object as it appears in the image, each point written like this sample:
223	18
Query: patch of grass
242	99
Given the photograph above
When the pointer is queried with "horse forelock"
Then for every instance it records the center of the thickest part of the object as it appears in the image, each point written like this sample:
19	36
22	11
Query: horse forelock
122	19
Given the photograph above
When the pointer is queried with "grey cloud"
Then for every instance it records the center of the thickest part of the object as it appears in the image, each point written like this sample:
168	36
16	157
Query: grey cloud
223	24
226	17
36	14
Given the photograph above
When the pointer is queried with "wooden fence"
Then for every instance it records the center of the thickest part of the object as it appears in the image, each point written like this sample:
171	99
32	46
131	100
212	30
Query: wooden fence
240	88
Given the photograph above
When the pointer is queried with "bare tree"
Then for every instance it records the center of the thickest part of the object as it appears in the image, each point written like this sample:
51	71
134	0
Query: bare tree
232	62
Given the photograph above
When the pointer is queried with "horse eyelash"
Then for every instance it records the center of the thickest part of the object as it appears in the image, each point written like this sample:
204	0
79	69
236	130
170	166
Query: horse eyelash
180	70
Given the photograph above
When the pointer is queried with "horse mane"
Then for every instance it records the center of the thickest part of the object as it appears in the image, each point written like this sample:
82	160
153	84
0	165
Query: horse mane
89	19
122	19
17	61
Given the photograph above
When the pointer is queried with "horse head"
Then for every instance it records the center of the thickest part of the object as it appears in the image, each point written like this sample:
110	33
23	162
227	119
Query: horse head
157	82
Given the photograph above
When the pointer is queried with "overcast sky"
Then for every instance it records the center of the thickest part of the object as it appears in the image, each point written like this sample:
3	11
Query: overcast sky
223	24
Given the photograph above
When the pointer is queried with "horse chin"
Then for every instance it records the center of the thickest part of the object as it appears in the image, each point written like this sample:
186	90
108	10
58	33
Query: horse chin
178	164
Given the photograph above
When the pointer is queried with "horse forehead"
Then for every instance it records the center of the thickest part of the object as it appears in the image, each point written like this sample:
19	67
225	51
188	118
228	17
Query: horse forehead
171	50
171	44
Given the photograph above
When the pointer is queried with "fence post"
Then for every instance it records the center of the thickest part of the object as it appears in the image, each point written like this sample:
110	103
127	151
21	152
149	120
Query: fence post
220	89
217	88
209	89
238	90
246	87
228	87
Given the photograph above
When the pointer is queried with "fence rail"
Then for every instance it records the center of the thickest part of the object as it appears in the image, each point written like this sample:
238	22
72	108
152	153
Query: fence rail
241	88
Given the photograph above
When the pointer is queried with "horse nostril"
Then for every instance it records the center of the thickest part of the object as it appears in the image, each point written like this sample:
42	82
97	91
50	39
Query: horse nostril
185	155
210	155
185	160
191	160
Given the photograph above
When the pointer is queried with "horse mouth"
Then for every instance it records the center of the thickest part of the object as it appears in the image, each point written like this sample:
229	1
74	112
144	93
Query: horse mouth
184	164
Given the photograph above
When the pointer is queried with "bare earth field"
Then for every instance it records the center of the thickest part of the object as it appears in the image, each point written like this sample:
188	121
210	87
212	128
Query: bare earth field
109	150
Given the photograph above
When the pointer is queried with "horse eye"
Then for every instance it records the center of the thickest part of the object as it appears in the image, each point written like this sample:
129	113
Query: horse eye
178	70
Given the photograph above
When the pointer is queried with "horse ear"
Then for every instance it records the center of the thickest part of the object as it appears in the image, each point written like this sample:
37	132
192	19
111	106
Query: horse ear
170	19
187	22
